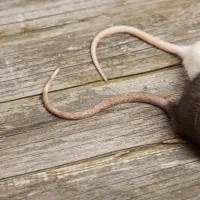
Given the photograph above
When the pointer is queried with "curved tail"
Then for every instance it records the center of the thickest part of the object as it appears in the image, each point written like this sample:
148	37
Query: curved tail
123	98
171	48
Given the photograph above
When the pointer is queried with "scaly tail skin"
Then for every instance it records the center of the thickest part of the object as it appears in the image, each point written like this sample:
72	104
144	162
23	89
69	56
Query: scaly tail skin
154	41
107	103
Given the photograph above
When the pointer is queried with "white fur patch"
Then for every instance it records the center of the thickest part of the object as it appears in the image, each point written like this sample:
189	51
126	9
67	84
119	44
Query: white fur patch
191	60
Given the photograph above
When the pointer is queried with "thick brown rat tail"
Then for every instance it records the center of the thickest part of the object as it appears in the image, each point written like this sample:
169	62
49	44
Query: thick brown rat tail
166	46
123	98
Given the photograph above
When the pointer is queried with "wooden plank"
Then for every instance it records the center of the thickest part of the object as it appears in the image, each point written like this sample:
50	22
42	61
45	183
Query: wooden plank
158	172
20	10
116	154
31	49
32	139
33	12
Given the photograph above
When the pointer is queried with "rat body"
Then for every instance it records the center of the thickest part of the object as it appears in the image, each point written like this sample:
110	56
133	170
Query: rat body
183	114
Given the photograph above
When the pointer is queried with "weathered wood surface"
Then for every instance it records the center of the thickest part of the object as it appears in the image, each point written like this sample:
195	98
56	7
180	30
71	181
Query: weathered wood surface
42	141
117	154
157	172
37	37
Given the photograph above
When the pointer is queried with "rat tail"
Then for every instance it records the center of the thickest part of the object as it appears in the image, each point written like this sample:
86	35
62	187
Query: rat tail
166	46
123	98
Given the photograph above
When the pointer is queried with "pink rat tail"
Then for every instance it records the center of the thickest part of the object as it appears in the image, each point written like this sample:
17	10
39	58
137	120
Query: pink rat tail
165	46
107	103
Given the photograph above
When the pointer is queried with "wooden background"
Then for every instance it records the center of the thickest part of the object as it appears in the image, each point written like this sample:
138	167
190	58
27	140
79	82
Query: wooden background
119	153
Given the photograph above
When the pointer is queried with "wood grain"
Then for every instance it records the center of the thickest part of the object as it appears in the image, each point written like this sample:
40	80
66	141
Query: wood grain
31	49
118	153
157	172
33	139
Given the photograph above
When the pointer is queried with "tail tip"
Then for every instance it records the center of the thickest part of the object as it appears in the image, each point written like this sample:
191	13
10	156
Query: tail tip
57	70
55	73
105	79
